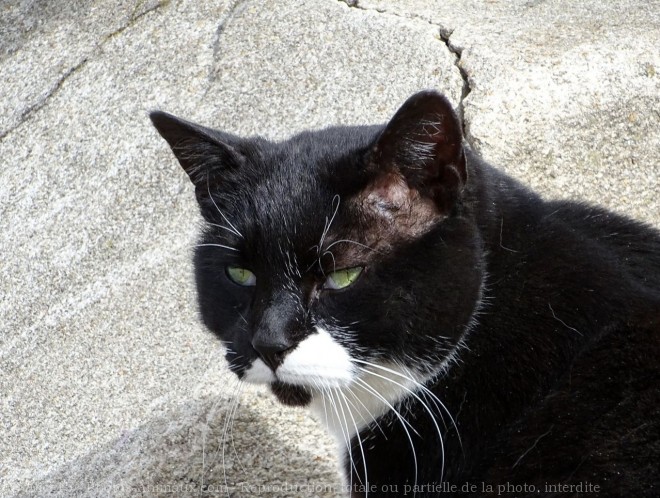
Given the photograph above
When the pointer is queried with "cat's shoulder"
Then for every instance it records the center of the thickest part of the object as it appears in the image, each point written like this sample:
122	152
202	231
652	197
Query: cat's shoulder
577	432
597	220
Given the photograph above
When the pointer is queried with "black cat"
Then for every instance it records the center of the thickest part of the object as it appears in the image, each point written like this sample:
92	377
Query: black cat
459	334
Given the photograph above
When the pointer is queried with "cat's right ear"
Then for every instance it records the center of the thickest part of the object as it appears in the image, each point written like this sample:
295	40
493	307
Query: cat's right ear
206	155
421	148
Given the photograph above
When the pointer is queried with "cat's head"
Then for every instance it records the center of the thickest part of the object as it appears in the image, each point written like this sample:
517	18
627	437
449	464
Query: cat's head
337	250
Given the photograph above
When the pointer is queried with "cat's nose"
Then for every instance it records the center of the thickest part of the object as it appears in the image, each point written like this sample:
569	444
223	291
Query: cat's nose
272	352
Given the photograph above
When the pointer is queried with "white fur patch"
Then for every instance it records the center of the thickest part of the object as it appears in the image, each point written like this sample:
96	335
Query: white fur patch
317	361
348	395
347	410
259	373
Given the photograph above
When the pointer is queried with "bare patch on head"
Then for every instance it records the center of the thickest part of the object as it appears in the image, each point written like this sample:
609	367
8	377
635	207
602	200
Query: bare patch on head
400	210
387	213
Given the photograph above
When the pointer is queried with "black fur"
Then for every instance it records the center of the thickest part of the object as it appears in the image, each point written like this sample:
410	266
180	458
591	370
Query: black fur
557	303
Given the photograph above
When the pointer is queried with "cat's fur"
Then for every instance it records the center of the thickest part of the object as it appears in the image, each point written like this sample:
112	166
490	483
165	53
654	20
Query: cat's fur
493	338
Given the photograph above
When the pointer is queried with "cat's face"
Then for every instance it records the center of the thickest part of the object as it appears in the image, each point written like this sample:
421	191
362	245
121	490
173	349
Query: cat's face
337	252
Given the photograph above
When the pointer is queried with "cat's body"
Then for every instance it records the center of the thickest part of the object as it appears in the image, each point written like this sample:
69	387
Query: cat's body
450	327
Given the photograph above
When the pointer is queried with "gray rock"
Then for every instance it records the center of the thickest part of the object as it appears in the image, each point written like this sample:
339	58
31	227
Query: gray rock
109	384
99	329
563	95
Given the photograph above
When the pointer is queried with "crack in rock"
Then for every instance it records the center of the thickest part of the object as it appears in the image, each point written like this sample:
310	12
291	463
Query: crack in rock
235	8
43	100
445	37
467	89
35	106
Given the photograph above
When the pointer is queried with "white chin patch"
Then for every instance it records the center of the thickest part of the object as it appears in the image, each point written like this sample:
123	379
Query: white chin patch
347	410
317	361
259	373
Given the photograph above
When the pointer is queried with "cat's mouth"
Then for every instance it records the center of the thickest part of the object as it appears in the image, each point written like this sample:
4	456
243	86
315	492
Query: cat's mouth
290	394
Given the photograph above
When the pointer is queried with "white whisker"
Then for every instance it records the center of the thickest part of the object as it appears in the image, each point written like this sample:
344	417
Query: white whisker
334	263
217	245
224	228
228	421
426	407
329	224
326	229
210	413
359	439
562	321
348	241
422	387
403	421
208	189
366	409
345	434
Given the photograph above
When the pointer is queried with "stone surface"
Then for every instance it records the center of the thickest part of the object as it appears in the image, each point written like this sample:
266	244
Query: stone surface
564	95
108	384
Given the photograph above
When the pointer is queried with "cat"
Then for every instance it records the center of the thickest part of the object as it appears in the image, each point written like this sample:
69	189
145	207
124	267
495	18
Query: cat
458	334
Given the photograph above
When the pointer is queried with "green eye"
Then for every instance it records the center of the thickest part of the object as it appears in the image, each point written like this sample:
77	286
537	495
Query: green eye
241	276
341	279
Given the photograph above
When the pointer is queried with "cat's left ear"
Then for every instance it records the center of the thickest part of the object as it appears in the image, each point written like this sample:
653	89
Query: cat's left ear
422	144
207	156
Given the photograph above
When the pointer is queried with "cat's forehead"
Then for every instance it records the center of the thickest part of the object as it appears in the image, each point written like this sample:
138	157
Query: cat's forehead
314	199
295	195
294	218
329	143
301	177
